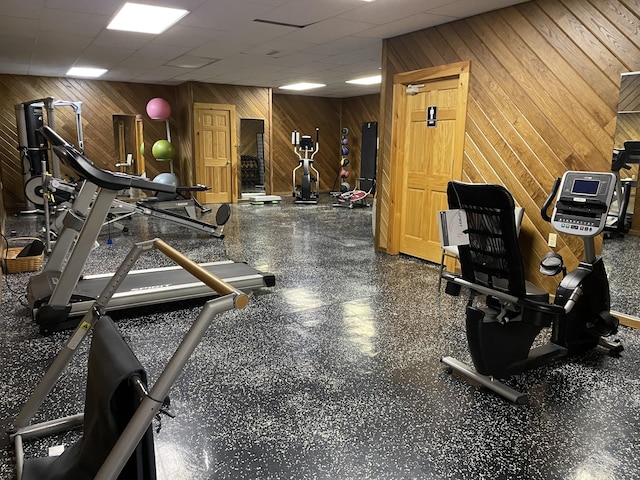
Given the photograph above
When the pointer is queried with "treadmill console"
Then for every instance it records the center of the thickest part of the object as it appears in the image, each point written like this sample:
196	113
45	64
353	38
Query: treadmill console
583	202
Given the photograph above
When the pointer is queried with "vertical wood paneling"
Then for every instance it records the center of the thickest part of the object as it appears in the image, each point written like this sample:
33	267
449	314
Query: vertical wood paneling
543	99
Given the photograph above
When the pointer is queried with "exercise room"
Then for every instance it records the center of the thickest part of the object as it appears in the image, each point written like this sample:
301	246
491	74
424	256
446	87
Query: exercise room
319	239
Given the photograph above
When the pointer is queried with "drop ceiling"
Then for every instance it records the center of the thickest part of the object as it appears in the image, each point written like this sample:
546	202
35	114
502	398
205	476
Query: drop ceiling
267	43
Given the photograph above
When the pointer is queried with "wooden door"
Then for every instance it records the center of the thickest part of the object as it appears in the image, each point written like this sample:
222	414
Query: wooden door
429	134
215	152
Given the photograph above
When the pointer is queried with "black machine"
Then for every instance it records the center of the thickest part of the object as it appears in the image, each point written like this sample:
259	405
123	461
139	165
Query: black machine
618	221
505	312
308	190
32	144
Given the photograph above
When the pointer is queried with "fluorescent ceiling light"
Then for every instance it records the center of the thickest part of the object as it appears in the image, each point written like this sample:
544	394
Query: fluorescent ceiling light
302	86
134	17
86	72
366	80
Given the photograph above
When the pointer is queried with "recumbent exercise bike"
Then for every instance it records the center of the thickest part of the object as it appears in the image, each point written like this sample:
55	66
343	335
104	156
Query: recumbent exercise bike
505	313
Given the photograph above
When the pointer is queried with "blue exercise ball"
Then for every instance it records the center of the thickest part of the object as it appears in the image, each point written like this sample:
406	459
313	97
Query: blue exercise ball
166	179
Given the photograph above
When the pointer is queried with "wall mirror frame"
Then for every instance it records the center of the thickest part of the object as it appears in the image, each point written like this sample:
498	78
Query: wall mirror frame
251	151
128	135
621	253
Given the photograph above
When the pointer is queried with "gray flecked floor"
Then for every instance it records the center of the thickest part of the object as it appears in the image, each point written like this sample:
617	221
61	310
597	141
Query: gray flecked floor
334	373
622	258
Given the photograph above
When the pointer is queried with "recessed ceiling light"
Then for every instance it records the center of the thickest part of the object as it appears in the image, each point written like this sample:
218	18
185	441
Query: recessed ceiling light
302	86
86	72
366	80
134	17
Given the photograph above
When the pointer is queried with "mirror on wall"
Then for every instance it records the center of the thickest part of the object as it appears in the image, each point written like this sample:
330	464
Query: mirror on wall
128	134
252	155
622	237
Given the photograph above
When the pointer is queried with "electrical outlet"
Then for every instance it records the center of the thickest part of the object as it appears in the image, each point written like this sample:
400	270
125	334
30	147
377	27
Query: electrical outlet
553	239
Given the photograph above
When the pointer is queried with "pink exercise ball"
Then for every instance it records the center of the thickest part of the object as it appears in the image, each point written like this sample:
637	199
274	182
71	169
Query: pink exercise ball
158	109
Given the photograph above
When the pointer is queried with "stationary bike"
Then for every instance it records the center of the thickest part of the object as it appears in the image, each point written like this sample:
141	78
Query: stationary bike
505	313
309	188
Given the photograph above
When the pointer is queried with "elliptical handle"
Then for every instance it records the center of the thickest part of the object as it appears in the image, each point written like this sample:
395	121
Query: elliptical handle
549	200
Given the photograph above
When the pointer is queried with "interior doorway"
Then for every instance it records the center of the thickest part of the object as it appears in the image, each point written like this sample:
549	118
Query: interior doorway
215	152
430	109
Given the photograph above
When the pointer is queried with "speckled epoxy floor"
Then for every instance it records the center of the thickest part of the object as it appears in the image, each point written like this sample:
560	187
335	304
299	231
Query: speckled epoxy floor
334	373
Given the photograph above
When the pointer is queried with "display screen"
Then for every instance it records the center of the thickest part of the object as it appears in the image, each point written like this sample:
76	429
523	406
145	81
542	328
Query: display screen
585	187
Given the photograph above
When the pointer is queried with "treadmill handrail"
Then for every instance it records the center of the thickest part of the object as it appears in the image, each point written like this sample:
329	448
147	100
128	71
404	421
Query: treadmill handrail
214	282
96	175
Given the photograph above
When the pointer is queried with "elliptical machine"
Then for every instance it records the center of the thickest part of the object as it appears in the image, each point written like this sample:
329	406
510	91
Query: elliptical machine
309	188
505	313
618	222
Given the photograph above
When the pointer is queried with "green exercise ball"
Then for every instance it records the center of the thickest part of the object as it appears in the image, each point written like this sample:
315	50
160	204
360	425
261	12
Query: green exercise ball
163	150
142	149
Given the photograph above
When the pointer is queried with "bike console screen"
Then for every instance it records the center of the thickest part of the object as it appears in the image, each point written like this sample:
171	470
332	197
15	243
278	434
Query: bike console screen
582	204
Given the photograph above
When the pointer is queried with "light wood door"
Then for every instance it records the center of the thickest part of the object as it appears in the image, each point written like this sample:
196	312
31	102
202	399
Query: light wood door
215	152
430	130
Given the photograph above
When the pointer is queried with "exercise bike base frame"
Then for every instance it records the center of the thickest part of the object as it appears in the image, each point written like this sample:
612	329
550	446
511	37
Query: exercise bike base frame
537	356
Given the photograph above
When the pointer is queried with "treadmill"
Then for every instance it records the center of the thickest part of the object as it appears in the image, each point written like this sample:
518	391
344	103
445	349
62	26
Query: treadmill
60	292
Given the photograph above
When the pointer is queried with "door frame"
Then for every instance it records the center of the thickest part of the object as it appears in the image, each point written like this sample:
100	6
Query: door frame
461	70
199	172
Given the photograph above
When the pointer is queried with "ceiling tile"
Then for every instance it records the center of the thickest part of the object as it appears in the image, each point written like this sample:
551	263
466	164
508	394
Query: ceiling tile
185	36
19	27
14	68
305	12
16	49
406	25
328	30
23	8
98	7
113	38
382	12
71	22
218	49
105	57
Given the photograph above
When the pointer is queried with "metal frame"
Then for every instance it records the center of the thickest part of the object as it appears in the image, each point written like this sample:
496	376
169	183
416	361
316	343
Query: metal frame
306	163
230	298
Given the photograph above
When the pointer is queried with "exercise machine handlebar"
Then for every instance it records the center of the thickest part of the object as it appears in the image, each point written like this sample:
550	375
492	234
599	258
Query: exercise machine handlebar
214	282
544	210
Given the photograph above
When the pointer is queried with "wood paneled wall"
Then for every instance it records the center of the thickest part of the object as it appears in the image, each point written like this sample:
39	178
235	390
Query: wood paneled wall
100	101
250	102
355	112
305	114
543	97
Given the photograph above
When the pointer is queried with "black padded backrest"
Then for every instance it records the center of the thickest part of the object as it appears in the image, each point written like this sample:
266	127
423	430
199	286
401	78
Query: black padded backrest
492	257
